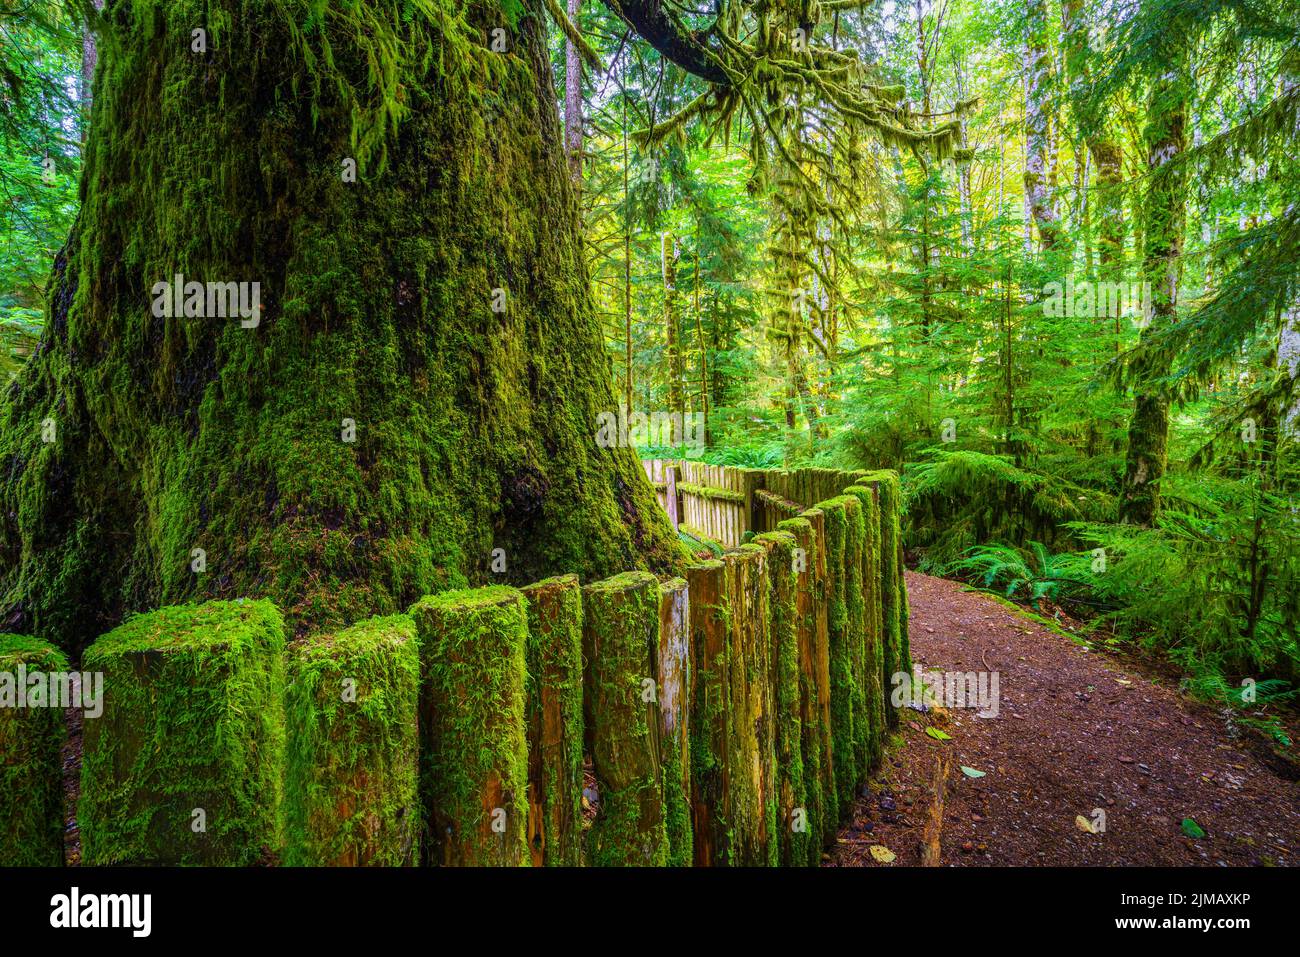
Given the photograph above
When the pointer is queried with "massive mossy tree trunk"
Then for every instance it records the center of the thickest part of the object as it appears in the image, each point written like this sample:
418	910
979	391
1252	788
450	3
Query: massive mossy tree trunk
382	428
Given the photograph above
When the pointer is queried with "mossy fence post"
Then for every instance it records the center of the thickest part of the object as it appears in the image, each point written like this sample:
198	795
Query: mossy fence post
185	764
353	752
822	587
877	681
794	830
620	636
710	712
863	731
31	772
750	747
894	608
673	687
554	692
841	656
818	779
474	775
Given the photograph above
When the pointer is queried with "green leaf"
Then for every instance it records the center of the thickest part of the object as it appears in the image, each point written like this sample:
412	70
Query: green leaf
1192	829
971	772
938	735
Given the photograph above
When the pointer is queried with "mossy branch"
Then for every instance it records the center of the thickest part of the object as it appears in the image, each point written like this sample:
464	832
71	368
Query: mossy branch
574	36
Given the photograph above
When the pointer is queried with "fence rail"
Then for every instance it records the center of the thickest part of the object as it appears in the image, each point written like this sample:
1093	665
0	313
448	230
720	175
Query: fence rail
727	717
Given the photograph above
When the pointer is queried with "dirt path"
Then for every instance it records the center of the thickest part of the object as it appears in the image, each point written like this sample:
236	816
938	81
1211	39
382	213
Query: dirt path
1077	732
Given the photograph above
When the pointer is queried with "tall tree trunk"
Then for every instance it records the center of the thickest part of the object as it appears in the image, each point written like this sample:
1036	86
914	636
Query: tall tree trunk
1038	163
472	428
573	102
627	271
1164	216
673	333
86	79
700	341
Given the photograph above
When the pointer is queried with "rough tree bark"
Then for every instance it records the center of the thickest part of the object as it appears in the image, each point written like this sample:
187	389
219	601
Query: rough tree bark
1038	69
437	305
1163	221
573	103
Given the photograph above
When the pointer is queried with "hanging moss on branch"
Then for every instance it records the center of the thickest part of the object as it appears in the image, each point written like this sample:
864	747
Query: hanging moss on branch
31	769
555	724
185	764
474	764
352	761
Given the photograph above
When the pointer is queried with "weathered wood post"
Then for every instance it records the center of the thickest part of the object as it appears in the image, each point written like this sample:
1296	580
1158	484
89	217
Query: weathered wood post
620	634
710	712
751	480
751	746
31	772
821	590
672	677
474	775
877	687
856	604
894	608
794	830
352	758
818	777
554	692
186	763
843	692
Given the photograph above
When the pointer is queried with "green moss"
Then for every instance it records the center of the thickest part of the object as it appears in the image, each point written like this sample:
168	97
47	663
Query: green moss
894	606
352	760
555	722
708	491
875	681
843	690
855	601
791	790
710	710
749	742
184	765
620	633
474	767
673	663
31	771
474	429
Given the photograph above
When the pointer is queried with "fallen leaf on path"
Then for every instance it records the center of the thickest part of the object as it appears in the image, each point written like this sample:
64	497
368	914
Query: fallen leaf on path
938	735
1192	829
971	772
1084	824
882	854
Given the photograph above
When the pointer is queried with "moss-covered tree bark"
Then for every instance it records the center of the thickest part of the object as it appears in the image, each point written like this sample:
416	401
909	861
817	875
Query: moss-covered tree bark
421	382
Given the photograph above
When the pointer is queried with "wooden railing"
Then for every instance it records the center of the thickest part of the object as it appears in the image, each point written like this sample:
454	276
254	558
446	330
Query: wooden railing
726	717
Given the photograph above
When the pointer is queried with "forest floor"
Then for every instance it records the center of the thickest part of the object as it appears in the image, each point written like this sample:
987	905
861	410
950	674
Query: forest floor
1078	730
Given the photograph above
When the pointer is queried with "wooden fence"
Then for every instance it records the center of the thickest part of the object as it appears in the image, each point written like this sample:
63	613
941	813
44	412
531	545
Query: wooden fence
727	717
719	503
